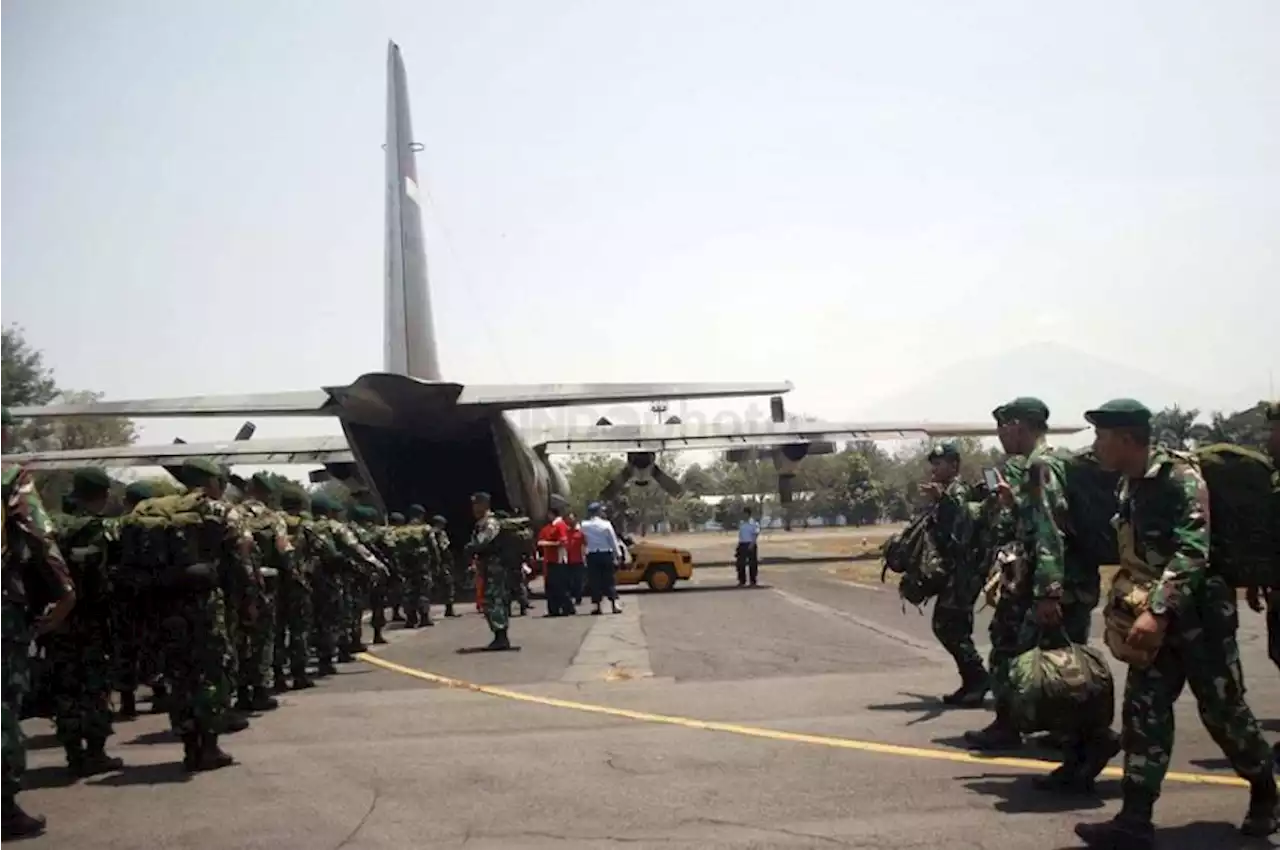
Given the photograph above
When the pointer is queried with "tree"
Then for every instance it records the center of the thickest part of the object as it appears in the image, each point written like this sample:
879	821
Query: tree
26	381
698	481
1176	428
587	476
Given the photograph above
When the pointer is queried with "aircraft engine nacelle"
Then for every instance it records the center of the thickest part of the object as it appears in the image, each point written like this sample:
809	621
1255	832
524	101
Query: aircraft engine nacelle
641	468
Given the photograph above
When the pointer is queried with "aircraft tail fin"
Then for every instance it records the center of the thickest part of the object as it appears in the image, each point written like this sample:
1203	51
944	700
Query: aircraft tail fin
410	339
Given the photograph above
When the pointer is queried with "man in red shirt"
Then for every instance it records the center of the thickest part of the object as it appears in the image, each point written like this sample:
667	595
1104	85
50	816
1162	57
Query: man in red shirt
576	549
552	544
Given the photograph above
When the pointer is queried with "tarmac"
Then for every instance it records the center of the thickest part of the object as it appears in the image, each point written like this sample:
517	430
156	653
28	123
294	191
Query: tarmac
802	713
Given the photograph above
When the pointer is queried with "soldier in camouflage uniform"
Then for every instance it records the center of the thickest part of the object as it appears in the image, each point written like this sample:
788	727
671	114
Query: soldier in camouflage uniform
79	650
199	652
272	551
952	529
442	563
1268	598
358	567
414	551
373	583
483	548
294	629
34	576
134	627
327	633
1053	592
397	586
1187	631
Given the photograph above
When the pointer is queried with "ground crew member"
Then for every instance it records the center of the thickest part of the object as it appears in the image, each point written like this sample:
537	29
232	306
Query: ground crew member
553	540
747	556
576	553
1185	633
603	553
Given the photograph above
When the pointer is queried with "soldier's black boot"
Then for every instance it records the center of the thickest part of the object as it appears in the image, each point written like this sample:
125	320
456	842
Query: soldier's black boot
159	699
448	610
212	756
357	644
301	681
1130	830
96	759
1069	776
344	653
395	614
234	721
1263	818
128	705
278	683
377	637
500	641
262	701
75	757
426	617
1000	735
410	620
974	685
191	751
17	823
244	699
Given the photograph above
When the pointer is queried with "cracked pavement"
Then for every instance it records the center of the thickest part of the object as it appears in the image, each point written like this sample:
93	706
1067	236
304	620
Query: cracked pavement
375	759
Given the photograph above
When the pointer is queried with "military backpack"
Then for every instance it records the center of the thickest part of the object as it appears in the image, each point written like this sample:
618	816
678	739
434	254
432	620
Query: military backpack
514	541
913	556
174	538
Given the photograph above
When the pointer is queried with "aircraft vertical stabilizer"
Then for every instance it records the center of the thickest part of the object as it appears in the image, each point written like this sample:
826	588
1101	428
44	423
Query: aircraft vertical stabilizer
410	340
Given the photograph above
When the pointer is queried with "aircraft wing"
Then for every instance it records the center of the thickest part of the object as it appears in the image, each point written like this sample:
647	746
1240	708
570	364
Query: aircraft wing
295	403
657	438
301	450
521	396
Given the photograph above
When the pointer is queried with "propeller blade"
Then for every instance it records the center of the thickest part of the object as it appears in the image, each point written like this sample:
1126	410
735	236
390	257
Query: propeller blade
666	482
245	432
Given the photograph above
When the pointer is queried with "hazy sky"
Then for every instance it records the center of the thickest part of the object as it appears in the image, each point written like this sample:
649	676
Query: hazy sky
849	195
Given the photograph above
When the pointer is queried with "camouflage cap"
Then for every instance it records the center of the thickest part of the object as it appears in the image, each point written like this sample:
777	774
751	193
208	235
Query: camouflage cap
200	468
138	491
416	510
481	496
947	450
7	416
439	520
90	481
395	518
1273	411
322	504
363	512
1022	409
1119	413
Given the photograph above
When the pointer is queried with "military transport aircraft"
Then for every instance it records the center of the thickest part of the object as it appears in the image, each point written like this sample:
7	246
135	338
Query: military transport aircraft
410	436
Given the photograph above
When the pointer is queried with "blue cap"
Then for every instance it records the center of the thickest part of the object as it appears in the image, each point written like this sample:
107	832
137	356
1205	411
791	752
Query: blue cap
594	508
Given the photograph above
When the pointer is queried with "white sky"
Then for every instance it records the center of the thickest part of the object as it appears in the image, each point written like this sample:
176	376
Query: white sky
849	195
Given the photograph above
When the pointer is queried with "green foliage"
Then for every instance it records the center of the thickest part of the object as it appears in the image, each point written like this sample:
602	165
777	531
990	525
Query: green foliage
26	381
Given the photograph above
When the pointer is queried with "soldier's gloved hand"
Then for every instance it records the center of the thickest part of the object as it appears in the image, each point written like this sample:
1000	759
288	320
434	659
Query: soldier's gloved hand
1253	596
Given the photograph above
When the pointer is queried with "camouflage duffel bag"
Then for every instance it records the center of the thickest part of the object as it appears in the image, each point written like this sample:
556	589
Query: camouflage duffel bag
1061	690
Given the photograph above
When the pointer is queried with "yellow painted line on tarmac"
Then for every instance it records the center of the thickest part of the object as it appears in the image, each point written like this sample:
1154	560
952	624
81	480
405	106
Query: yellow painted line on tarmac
773	734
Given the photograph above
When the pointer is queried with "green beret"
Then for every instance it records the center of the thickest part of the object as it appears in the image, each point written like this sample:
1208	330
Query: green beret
8	417
138	491
481	496
322	504
416	510
293	500
90	481
396	518
1022	408
946	450
200	468
1119	413
263	480
439	520
1273	411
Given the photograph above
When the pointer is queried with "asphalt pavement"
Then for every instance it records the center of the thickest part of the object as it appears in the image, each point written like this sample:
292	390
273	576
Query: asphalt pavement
802	713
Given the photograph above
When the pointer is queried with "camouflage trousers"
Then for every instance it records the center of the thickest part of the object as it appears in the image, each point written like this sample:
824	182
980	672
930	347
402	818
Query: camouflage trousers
1273	626
199	659
441	576
80	668
135	627
1014	630
255	642
293	628
953	623
1200	650
497	596
395	588
417	591
14	646
326	610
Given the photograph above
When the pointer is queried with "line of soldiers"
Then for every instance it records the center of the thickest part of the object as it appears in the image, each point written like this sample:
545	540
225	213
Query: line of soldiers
214	604
1046	591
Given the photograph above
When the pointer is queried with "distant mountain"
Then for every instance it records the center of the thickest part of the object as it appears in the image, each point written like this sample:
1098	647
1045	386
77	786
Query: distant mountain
1068	380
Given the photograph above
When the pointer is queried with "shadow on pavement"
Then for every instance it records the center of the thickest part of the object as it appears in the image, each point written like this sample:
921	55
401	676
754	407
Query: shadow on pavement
161	736
43	741
1031	748
1201	835
165	773
1019	796
48	776
930	707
